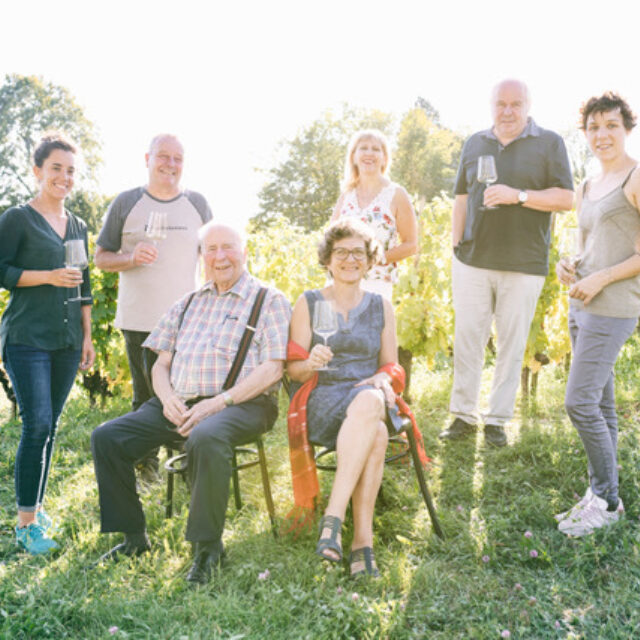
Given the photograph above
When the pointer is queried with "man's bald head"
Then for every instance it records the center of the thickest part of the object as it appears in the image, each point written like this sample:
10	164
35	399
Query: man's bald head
225	254
510	103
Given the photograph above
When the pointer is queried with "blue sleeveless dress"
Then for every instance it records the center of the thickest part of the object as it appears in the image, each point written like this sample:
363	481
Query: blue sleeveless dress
356	349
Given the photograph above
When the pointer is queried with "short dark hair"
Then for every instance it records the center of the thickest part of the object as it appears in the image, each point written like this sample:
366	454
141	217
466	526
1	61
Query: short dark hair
608	101
51	140
349	228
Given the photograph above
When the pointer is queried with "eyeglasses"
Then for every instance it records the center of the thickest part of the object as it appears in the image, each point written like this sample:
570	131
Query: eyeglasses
358	253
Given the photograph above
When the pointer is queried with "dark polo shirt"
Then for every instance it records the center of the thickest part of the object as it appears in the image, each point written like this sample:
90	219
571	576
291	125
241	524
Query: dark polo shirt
511	237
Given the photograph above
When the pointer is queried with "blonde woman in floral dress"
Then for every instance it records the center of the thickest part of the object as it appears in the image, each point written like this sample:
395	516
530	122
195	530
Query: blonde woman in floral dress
368	195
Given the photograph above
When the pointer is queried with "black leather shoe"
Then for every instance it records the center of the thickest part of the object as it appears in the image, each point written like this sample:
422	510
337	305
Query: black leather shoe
123	550
207	561
457	430
495	435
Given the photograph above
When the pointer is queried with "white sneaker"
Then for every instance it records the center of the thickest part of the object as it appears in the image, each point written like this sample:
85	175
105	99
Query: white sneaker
592	516
576	507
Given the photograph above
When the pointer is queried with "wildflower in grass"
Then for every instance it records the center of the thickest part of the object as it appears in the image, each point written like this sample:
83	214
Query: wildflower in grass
558	625
113	630
533	601
485	559
517	586
505	633
265	575
459	508
339	590
403	605
533	553
355	597
528	534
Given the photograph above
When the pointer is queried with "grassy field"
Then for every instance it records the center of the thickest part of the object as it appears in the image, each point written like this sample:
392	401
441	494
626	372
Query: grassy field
486	580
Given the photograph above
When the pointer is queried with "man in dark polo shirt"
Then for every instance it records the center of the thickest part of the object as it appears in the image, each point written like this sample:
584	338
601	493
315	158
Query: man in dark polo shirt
501	254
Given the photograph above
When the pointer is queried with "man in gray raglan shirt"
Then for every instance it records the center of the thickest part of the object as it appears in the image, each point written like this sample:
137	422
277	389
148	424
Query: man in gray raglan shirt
152	276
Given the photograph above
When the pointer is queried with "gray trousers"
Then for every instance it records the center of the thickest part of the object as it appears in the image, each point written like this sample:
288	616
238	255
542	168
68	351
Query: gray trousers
479	296
590	400
117	444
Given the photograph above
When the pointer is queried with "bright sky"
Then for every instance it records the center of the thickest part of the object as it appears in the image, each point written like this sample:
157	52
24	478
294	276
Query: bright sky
234	78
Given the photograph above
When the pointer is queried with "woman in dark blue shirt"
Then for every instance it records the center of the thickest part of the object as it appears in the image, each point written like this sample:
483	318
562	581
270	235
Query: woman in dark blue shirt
46	328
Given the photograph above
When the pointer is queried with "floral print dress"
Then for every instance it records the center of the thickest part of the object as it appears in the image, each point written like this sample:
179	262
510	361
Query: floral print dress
380	219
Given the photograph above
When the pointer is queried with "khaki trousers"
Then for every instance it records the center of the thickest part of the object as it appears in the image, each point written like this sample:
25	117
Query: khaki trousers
479	296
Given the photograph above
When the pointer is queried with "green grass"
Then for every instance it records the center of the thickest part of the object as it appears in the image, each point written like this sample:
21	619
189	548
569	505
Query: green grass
430	588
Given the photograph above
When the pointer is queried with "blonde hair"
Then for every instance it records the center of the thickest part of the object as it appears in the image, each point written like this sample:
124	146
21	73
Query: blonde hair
351	173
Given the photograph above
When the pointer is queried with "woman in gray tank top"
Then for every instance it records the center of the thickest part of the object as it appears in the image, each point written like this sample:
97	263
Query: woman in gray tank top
604	291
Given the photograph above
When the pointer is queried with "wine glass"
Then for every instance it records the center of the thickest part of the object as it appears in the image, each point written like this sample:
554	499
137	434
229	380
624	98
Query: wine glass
571	248
325	323
487	174
156	228
75	257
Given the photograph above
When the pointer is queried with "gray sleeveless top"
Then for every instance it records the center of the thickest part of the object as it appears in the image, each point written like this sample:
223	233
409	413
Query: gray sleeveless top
609	227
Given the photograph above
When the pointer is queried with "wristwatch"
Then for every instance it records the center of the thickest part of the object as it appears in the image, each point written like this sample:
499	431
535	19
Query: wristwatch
523	196
228	400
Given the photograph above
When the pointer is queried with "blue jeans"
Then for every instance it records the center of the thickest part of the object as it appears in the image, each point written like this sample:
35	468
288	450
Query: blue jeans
590	401
41	380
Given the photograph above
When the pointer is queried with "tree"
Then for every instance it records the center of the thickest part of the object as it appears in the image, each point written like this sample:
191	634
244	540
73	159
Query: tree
90	206
432	113
28	107
427	155
305	185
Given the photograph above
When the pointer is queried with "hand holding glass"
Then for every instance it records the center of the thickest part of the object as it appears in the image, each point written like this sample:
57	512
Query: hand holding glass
75	257
325	323
487	174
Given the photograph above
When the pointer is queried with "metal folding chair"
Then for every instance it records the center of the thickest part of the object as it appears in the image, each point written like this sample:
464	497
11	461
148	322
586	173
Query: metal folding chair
177	465
408	448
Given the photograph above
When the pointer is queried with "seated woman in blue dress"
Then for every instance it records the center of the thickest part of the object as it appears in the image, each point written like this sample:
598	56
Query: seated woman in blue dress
346	408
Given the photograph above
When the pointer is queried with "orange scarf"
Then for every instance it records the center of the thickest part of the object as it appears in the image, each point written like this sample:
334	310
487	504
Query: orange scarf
304	476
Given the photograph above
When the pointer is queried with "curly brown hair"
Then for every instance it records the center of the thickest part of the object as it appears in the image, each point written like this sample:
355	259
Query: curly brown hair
349	228
608	101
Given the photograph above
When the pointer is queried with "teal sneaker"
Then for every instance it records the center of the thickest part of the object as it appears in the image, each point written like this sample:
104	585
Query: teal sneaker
34	539
45	521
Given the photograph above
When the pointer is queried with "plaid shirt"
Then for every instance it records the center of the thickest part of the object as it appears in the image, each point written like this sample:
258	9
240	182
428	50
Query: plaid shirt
205	345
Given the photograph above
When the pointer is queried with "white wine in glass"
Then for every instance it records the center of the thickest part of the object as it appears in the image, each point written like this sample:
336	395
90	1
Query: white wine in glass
75	257
325	323
156	226
487	173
